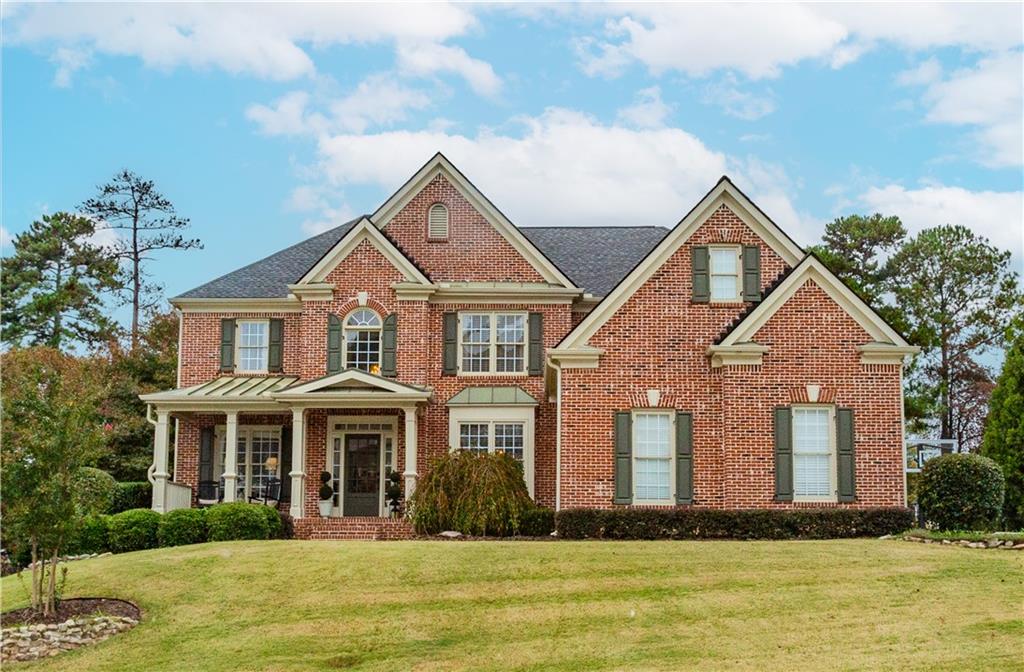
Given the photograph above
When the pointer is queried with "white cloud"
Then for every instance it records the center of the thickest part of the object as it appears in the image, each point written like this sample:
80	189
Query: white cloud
287	116
758	40
68	61
379	100
924	73
267	40
990	98
997	215
727	95
566	168
647	111
426	58
6	240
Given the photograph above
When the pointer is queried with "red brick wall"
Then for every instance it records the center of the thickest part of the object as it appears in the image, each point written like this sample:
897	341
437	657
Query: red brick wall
815	342
200	344
473	251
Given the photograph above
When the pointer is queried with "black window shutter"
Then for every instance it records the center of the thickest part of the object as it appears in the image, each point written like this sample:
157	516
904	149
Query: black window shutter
623	457
783	454
275	350
227	345
684	458
285	464
536	344
844	455
751	273
334	336
389	346
206	454
450	354
701	275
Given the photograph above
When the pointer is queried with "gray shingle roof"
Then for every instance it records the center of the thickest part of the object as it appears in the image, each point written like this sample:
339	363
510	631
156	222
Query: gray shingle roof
595	258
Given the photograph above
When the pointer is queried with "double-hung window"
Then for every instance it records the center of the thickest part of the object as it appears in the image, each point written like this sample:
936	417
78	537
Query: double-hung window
652	458
814	466
255	448
253	346
725	273
485	429
362	340
492	343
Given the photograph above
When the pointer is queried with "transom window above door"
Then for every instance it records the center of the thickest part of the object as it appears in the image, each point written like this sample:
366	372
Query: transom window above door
362	340
725	272
492	343
253	345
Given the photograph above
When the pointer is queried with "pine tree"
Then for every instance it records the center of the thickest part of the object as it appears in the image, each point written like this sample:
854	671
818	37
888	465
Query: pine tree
53	285
1004	431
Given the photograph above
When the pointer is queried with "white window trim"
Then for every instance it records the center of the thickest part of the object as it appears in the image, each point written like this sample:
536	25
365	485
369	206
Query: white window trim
220	434
671	414
496	415
738	249
238	346
492	344
344	337
332	433
833	476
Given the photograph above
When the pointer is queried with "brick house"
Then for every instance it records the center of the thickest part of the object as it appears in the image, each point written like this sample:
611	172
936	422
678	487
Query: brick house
711	364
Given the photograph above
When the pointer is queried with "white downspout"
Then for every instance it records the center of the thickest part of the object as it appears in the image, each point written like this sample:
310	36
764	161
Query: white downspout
558	435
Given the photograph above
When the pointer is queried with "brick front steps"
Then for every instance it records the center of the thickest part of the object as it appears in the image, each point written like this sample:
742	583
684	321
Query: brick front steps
353	527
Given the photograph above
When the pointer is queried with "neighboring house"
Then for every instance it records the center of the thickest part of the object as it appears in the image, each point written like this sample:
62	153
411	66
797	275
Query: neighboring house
715	364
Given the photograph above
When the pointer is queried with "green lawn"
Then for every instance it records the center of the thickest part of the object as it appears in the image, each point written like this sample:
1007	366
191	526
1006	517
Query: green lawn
833	605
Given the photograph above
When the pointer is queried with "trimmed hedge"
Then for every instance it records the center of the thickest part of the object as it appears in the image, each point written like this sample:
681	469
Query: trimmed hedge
133	530
237	520
94	491
690	523
92	537
537	522
962	491
130	495
181	527
275	527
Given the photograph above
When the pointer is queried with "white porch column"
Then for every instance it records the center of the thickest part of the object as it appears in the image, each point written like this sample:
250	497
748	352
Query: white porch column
298	472
160	450
231	457
410	451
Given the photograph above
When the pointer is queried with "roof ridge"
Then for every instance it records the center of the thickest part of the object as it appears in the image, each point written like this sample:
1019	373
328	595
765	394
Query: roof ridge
600	226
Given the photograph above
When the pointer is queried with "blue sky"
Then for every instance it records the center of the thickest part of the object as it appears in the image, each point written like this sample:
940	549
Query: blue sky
267	123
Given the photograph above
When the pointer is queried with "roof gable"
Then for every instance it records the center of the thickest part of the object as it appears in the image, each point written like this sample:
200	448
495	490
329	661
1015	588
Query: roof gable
351	380
723	193
440	165
364	230
811	269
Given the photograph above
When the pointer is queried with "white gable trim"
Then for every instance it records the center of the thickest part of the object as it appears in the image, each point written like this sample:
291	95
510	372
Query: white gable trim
363	230
439	165
725	192
810	269
351	376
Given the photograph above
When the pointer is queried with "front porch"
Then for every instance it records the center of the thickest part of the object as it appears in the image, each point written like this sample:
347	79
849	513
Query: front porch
353	425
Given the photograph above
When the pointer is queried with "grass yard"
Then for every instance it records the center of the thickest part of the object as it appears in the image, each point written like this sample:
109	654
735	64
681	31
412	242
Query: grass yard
830	605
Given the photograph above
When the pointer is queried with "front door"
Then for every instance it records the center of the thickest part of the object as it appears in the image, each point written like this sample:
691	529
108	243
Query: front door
362	475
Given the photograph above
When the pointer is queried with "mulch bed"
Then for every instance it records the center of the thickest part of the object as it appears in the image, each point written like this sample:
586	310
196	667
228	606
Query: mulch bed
71	608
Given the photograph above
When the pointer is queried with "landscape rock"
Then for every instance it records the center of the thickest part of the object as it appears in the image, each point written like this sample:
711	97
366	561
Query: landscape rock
29	642
450	534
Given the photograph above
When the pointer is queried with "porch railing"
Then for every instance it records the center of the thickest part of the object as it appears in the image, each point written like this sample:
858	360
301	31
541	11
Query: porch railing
177	496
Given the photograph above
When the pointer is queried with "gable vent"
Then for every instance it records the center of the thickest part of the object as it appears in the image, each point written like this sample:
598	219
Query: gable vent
437	221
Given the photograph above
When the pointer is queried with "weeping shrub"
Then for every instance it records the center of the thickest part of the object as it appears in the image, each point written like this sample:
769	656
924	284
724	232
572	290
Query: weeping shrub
475	494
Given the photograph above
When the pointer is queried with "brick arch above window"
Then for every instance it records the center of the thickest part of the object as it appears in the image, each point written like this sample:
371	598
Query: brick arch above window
343	310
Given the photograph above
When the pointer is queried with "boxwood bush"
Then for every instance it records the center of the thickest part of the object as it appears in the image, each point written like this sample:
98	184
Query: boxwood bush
275	527
537	521
181	527
133	530
93	536
237	520
94	491
690	523
132	495
962	491
475	494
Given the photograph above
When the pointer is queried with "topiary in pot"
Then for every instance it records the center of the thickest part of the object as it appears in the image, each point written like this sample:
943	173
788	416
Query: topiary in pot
326	494
393	492
961	491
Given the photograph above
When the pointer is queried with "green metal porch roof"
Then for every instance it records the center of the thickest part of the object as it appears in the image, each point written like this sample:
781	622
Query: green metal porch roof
493	396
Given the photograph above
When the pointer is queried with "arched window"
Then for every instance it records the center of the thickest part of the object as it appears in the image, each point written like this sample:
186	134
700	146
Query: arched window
362	340
437	221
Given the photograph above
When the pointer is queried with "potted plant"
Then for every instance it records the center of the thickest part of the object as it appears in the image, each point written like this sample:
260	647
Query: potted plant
393	492
326	494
